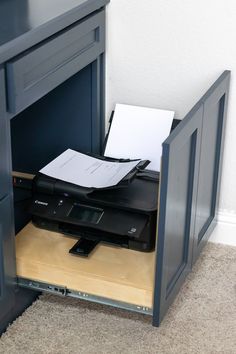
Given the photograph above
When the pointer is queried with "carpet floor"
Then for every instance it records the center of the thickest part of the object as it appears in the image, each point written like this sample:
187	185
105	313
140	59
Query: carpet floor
201	320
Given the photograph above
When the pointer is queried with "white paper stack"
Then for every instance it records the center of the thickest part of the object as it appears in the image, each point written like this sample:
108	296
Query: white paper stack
138	132
86	171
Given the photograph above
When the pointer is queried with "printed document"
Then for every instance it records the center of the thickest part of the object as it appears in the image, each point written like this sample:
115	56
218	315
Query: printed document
86	171
138	132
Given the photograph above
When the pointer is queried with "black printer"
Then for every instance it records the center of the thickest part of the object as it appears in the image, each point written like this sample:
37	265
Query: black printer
125	216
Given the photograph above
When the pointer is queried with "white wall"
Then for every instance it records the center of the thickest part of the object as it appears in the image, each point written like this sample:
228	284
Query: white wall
165	54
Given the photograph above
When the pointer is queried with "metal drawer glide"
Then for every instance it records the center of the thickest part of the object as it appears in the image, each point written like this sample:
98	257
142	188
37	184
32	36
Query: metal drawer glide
63	291
39	286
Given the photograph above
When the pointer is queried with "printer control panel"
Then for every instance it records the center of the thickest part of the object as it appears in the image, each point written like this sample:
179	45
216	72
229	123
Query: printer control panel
65	210
86	213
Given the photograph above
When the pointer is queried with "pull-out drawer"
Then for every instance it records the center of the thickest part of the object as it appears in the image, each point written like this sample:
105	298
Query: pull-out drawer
36	72
112	275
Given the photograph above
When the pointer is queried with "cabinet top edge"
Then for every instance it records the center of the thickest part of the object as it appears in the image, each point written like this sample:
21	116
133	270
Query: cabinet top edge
27	22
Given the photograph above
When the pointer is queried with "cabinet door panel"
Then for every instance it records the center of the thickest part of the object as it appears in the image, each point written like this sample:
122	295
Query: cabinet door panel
214	105
7	258
189	191
178	190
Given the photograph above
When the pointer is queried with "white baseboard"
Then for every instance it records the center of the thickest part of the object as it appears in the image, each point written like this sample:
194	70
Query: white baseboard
225	230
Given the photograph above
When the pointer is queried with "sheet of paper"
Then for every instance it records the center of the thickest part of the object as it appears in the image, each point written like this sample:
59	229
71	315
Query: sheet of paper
138	132
83	170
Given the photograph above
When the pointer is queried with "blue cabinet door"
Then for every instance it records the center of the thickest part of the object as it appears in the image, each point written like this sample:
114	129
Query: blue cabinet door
190	178
214	104
178	191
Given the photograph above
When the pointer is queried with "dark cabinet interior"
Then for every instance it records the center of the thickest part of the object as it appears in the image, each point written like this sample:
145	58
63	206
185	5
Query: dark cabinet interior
46	128
60	120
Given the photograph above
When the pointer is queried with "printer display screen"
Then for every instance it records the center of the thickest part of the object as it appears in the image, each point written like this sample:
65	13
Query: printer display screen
86	214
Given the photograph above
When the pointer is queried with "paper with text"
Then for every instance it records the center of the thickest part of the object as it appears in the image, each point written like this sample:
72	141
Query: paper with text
138	132
86	171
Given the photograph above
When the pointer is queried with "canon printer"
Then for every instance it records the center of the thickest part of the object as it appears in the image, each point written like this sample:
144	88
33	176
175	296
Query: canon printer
125	216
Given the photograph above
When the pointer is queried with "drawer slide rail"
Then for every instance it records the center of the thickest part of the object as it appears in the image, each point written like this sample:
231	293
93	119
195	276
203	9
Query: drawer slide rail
64	291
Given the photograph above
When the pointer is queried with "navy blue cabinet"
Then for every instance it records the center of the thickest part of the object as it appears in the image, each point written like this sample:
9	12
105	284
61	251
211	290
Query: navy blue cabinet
4	155
7	259
52	98
7	242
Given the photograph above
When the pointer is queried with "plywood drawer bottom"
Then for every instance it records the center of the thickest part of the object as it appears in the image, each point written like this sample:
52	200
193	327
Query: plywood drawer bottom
111	273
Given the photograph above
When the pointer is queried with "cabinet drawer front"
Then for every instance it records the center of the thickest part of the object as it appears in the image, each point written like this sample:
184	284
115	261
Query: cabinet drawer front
38	71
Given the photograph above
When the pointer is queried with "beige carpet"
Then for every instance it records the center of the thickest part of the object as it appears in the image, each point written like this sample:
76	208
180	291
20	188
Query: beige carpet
201	320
